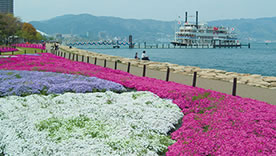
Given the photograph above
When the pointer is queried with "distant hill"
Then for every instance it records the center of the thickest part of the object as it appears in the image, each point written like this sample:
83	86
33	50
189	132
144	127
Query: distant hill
106	27
96	27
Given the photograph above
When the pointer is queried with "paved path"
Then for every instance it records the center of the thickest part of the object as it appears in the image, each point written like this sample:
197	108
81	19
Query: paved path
262	94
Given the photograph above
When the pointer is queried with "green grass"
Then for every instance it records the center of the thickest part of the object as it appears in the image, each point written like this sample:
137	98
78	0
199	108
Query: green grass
60	129
22	51
201	96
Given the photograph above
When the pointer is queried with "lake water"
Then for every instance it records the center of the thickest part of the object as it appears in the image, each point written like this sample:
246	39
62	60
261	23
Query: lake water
259	59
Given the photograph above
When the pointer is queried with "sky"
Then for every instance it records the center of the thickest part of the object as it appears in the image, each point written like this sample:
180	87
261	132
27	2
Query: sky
165	10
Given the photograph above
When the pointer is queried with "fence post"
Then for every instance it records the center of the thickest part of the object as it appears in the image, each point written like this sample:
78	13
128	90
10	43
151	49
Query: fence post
95	62
77	57
128	67
82	60
194	79
168	74
12	52
69	56
115	66
234	91
64	55
87	59
73	58
105	63
144	70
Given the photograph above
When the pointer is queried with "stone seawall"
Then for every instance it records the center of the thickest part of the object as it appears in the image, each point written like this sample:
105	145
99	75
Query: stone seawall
248	79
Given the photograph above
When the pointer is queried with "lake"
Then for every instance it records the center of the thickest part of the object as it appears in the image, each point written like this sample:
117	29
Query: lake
259	59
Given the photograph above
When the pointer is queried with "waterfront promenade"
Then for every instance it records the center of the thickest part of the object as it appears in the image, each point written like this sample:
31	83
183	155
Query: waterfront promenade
243	90
262	94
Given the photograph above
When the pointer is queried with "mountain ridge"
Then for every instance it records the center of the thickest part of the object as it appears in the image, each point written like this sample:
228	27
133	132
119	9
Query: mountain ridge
93	27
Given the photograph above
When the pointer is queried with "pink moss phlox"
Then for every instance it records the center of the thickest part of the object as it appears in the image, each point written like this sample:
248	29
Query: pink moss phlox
7	49
24	45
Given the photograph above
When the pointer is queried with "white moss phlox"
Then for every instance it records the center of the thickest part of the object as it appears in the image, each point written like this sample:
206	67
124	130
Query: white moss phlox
86	124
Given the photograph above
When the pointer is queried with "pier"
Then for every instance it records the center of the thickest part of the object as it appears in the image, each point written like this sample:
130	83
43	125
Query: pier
131	45
145	45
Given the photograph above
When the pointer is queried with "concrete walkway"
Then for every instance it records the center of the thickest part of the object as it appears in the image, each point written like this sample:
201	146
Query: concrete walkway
262	94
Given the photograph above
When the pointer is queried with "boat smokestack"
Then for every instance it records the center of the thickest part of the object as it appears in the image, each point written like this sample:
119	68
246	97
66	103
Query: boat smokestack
197	19
186	17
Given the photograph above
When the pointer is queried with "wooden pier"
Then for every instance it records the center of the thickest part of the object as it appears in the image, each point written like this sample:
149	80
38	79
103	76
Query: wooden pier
161	46
131	45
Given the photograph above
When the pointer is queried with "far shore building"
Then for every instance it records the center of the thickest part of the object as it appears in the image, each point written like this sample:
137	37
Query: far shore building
6	6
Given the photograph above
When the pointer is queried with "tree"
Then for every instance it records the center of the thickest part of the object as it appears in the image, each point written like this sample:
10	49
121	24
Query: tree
28	32
2	25
40	37
9	25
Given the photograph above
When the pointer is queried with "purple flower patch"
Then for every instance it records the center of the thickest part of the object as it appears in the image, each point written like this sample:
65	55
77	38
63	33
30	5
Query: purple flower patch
24	83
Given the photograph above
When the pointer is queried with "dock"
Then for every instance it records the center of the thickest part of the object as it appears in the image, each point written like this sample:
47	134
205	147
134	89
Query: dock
145	45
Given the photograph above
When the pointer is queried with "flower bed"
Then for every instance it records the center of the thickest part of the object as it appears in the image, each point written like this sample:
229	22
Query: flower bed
214	123
7	49
24	45
134	123
24	83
